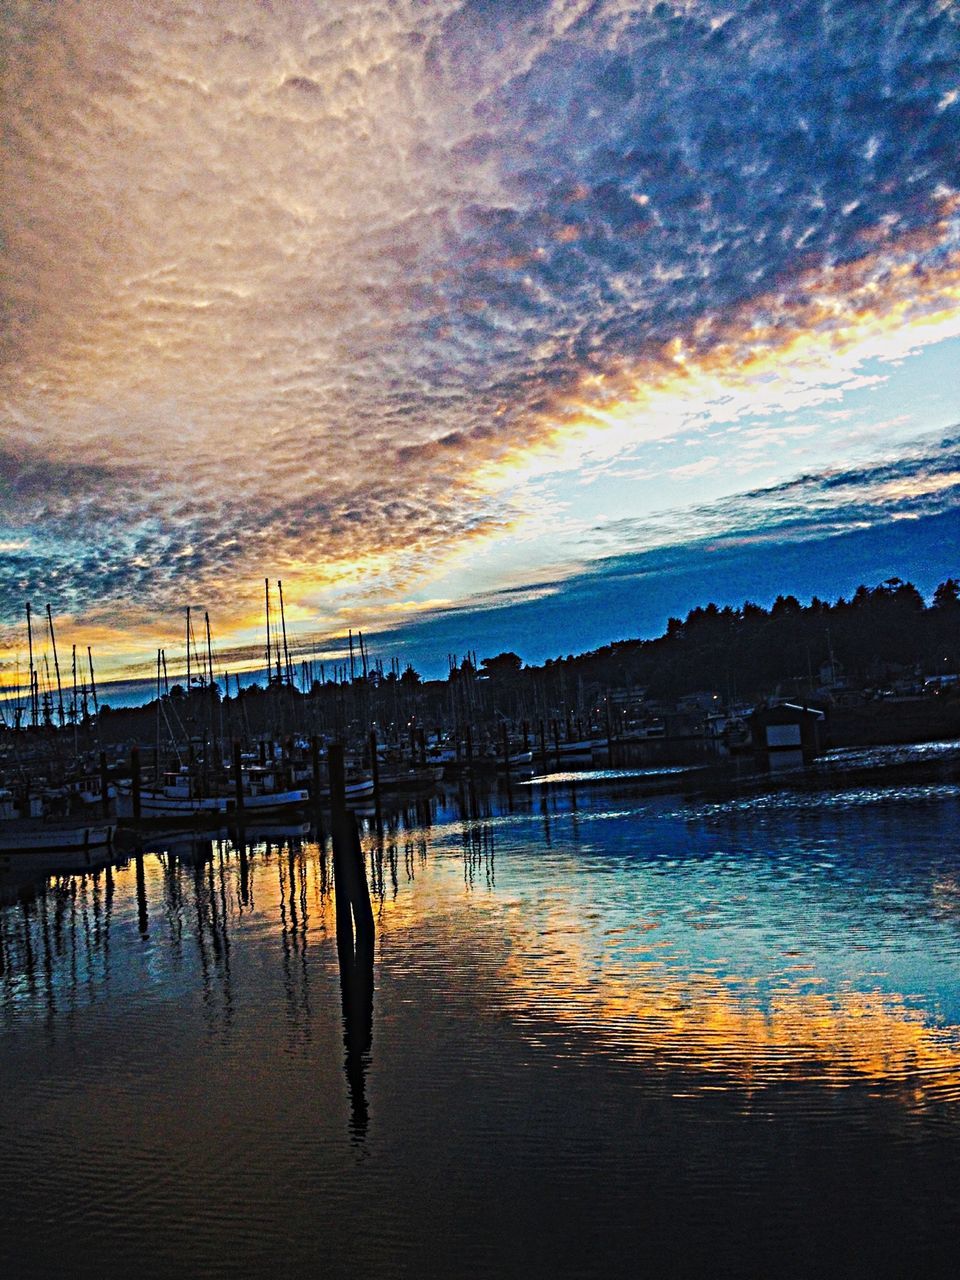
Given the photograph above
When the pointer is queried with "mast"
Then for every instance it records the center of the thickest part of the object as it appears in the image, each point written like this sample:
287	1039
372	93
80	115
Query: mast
56	667
34	700
283	625
215	741
266	588
157	765
47	696
188	650
352	674
93	687
363	655
213	687
76	744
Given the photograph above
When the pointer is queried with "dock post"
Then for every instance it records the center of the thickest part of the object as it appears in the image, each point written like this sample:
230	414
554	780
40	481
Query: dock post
135	781
556	741
238	780
315	762
506	747
543	747
349	876
375	770
338	778
104	784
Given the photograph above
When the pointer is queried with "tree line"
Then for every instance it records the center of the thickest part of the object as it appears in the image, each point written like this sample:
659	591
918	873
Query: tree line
878	635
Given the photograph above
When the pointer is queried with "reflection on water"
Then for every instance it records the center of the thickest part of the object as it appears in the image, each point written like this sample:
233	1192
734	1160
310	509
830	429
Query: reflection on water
613	1033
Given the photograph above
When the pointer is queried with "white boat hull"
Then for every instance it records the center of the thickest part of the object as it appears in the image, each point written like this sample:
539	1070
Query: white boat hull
271	801
154	804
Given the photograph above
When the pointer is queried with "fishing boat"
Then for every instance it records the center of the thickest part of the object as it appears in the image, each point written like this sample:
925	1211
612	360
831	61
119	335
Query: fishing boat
177	796
412	778
44	834
583	747
263	791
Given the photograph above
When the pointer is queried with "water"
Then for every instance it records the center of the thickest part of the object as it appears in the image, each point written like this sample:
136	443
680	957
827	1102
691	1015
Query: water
611	1034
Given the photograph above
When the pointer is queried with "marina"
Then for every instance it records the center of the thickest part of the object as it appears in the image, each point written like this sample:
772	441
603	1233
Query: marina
568	981
480	640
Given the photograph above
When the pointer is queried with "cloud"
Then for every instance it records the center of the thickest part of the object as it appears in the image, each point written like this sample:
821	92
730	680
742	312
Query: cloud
298	290
922	483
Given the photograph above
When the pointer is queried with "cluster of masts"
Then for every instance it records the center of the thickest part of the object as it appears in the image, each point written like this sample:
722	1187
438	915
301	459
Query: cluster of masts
282	672
46	705
41	687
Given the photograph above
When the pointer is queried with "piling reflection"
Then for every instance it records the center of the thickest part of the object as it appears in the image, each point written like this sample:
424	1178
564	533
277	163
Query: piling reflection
355	949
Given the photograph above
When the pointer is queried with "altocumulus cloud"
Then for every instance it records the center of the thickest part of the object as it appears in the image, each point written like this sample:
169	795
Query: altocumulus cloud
280	285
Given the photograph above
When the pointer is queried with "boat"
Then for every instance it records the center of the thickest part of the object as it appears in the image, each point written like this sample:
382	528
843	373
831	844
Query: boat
262	793
583	747
175	797
358	788
42	833
271	801
413	778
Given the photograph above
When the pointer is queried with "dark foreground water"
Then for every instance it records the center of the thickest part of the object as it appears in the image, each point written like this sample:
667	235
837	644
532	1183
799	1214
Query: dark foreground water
609	1036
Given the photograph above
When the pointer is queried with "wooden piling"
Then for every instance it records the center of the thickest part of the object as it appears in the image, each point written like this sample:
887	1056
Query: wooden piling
338	777
135	781
238	779
375	770
104	785
315	763
350	881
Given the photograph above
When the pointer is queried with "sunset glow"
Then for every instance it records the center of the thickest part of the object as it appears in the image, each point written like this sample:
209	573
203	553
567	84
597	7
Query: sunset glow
408	306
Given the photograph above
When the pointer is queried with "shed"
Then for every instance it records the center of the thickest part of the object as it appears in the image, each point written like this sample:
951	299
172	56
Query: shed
789	727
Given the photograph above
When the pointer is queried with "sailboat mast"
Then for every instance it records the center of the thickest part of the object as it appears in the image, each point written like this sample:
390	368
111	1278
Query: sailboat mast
76	744
56	667
188	650
363	655
266	588
34	701
157	763
283	626
213	687
93	687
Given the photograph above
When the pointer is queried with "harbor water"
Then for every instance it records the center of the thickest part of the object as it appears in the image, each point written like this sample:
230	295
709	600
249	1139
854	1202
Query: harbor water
606	1033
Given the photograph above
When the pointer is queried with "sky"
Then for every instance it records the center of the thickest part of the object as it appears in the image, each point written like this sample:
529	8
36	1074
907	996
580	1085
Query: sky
480	325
